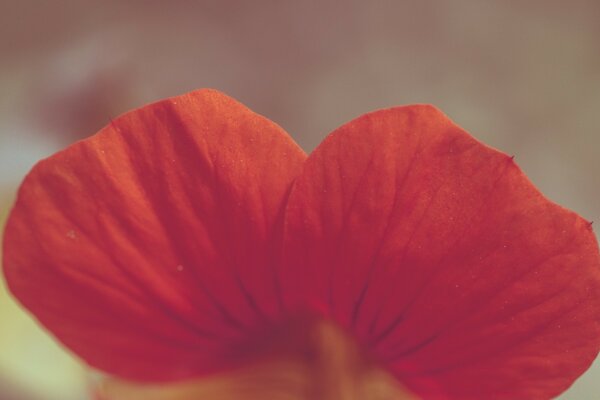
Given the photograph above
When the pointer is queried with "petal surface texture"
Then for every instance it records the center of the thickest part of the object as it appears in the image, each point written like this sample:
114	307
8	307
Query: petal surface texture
148	249
443	260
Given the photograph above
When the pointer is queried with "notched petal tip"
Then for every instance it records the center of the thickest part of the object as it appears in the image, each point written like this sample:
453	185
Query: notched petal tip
440	253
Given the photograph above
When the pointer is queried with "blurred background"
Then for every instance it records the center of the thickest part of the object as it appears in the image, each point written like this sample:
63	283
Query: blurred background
523	77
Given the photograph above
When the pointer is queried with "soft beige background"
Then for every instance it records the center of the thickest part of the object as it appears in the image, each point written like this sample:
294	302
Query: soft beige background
521	76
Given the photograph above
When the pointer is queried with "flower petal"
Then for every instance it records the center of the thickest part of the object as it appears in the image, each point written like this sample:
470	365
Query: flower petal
442	258
147	249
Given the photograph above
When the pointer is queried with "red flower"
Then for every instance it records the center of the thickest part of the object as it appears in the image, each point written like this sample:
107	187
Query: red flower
184	229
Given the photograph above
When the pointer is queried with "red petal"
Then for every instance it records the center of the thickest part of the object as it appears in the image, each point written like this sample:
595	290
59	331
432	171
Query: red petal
147	249
440	255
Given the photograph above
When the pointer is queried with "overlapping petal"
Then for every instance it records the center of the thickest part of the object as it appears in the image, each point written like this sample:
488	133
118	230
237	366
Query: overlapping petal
183	228
145	248
443	259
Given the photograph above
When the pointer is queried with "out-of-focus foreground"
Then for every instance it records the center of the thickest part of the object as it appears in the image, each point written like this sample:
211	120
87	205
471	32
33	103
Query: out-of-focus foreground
522	77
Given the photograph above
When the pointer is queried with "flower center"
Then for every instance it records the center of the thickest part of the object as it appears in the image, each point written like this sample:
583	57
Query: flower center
301	361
